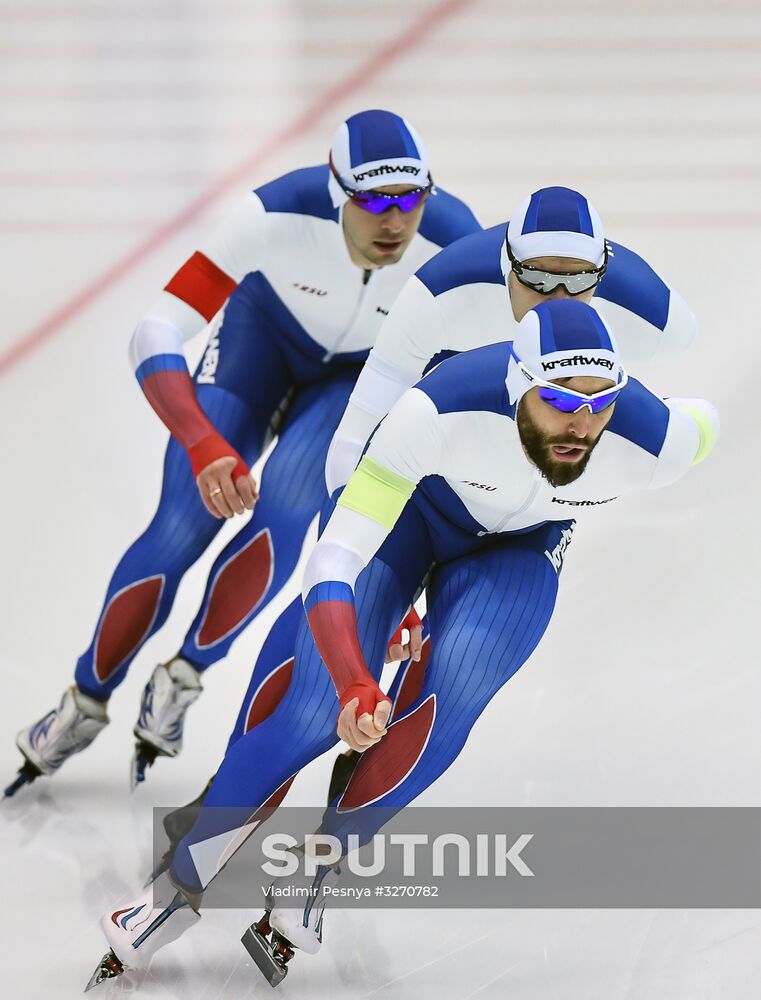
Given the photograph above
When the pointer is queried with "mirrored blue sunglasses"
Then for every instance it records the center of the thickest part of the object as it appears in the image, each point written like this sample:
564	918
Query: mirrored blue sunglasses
570	401
377	203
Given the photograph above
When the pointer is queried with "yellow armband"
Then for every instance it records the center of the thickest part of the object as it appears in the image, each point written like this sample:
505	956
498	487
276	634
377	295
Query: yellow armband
707	431
377	493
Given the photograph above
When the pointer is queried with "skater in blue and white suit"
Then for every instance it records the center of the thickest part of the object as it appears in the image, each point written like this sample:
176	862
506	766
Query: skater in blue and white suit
473	482
312	263
471	294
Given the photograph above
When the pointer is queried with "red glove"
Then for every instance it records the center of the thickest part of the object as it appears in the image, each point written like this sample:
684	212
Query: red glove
369	694
411	620
209	449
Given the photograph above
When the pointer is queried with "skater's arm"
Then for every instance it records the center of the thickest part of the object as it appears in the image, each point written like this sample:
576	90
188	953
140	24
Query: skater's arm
650	319
189	301
410	336
404	450
678	433
693	430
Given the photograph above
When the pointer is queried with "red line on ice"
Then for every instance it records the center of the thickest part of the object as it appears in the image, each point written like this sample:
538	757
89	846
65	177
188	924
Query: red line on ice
398	46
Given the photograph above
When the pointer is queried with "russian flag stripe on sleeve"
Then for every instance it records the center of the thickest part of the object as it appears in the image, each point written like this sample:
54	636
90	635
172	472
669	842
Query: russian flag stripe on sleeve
172	395
334	627
161	363
202	285
331	590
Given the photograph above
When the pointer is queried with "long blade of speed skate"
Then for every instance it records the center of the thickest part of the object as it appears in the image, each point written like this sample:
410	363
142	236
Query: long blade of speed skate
144	757
163	865
25	776
109	967
260	949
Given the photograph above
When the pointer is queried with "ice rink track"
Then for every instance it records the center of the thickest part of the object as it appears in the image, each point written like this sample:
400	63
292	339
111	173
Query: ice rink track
126	127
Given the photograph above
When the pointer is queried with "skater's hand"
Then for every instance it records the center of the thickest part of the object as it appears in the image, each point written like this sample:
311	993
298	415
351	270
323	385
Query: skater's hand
398	650
223	478
222	496
365	731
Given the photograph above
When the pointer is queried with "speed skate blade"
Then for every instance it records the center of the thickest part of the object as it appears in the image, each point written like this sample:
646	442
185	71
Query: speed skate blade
109	967
261	951
26	775
144	757
163	865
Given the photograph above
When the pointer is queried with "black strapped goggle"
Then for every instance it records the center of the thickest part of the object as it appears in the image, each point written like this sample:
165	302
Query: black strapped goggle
545	282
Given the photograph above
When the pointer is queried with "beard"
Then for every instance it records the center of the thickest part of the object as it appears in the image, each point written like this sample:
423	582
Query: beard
538	448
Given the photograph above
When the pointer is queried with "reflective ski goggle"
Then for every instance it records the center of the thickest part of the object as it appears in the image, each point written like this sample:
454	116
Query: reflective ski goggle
545	282
377	203
570	401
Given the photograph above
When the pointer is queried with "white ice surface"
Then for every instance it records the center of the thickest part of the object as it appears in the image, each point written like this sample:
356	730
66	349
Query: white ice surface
115	117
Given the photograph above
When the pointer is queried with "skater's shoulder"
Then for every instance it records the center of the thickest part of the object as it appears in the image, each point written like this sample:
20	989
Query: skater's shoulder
474	259
631	283
300	192
446	219
640	417
472	380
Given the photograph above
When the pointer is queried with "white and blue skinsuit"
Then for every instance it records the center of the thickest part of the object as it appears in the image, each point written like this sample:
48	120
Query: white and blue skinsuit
293	336
458	301
416	506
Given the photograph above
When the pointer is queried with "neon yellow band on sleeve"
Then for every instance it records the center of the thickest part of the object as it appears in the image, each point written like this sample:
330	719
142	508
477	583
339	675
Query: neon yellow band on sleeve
707	432
377	493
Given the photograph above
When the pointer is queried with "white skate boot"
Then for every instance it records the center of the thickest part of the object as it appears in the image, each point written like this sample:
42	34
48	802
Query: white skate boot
301	925
167	696
271	941
137	930
64	731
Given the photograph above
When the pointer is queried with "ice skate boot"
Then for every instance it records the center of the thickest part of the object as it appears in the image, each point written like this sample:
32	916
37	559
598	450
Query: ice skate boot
172	689
272	940
136	931
64	731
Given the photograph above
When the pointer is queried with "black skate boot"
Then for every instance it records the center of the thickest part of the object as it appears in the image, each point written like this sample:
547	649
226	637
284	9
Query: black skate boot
343	768
178	824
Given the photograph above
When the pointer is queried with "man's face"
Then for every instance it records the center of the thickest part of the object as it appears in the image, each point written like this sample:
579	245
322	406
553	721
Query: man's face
523	298
560	444
376	240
